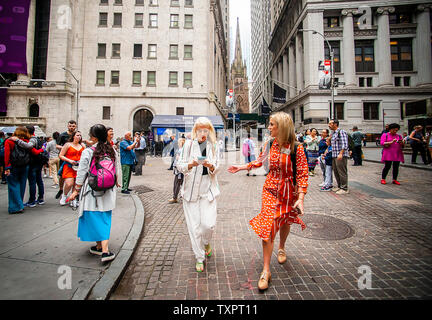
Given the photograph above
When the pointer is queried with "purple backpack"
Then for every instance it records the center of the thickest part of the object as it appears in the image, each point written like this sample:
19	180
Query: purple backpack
102	174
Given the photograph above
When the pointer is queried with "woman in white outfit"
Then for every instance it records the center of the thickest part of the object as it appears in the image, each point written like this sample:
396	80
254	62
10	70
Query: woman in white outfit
199	162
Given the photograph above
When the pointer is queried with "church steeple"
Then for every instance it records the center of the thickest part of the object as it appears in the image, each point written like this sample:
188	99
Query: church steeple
238	59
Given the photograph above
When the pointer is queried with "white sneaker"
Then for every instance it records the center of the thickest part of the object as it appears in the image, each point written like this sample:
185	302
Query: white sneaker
321	184
63	200
45	176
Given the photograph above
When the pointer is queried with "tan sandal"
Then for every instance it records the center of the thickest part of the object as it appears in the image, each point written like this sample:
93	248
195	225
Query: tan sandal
281	257
264	280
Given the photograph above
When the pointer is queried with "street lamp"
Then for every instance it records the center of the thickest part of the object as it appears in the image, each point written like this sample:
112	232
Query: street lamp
332	109
76	93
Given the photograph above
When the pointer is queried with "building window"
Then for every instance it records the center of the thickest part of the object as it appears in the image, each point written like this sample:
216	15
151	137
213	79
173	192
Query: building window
118	2
400	17
336	49
103	2
100	77
173	51
302	113
34	110
173	78
188	21
139	19
139	2
115	50
361	82
371	110
406	81
331	22
188	52
103	19
180	111
175	3
153	20
293	116
188	3
136	77
106	113
115	77
153	2
137	50
401	54
369	81
101	50
397	81
339	108
174	21
151	78
117	19
152	51
187	79
364	56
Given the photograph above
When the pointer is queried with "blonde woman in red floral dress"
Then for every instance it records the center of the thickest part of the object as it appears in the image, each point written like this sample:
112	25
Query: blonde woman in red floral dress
282	201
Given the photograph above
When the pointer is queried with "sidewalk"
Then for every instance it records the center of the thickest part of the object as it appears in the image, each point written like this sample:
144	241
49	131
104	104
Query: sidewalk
34	244
372	154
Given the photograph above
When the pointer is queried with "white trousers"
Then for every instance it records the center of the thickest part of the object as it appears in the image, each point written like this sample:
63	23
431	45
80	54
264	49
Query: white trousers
201	221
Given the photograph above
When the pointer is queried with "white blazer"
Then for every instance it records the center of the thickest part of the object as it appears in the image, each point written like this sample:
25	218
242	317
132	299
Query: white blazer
192	178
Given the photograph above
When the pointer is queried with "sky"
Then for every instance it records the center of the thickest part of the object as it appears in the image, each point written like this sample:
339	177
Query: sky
241	9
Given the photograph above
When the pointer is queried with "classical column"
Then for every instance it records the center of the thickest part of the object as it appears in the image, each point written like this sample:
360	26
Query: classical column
285	79
274	72
299	61
348	47
424	70
280	71
383	54
30	42
291	70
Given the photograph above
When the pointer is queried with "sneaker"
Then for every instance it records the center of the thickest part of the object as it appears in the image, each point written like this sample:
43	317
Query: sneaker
96	251
17	212
59	193
30	204
63	200
325	189
396	182
107	256
45	176
3	182
41	202
172	201
129	189
125	192
321	184
336	189
54	186
383	181
341	191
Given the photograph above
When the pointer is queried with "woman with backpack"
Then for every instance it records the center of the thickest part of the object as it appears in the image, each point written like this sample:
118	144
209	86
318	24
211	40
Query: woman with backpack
17	159
70	154
97	197
283	191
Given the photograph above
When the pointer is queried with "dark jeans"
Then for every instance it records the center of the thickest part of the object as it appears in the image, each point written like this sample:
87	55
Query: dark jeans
141	160
357	153
386	169
178	180
16	188
35	178
418	148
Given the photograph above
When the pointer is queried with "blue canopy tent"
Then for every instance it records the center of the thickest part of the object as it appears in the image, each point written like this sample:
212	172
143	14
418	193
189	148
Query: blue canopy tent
181	123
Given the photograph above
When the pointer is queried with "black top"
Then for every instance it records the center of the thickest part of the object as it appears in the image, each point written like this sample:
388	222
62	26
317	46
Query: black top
63	138
203	146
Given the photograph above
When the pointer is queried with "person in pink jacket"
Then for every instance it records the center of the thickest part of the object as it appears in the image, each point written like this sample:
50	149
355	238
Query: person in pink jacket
392	152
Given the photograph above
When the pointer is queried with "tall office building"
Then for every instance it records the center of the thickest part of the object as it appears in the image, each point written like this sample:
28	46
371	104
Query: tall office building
132	59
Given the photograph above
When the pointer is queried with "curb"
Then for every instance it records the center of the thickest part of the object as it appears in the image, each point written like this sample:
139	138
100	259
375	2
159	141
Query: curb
105	285
404	165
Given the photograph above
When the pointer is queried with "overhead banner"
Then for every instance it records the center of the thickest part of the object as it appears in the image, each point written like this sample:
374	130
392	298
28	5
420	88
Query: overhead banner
13	35
265	109
324	74
279	94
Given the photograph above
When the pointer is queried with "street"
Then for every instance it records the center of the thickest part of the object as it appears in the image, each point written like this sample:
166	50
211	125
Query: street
374	243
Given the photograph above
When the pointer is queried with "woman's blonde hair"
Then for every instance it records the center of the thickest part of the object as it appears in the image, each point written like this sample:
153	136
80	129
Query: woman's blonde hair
286	132
204	122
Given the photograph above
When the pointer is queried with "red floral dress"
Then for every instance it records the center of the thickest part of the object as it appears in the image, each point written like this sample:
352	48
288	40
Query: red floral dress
279	193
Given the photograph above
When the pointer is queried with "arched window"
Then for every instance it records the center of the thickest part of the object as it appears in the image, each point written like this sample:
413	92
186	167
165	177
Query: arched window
34	110
142	120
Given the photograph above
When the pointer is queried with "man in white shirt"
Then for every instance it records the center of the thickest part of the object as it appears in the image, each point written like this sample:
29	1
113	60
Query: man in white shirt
140	153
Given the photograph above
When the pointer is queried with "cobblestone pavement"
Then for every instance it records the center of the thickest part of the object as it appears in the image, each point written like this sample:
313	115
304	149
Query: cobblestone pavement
392	235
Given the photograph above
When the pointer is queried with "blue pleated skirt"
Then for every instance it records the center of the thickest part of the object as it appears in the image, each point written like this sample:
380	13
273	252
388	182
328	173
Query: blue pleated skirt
94	226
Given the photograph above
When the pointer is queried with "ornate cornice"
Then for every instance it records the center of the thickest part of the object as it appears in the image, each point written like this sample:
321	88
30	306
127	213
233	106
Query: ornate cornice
424	7
349	12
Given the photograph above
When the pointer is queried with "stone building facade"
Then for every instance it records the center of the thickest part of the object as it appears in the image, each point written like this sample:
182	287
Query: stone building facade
131	59
382	54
